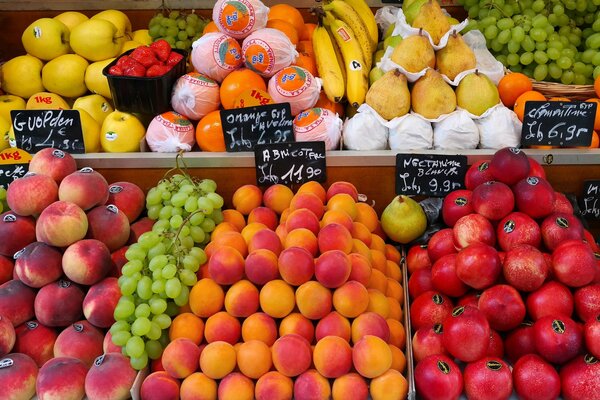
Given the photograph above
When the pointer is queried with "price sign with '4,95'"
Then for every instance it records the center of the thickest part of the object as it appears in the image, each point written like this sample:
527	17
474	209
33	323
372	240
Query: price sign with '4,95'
288	163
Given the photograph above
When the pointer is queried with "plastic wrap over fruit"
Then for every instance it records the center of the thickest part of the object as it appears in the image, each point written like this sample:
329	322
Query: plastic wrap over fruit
297	86
318	124
216	54
195	95
170	132
267	51
239	18
366	130
455	131
410	132
499	127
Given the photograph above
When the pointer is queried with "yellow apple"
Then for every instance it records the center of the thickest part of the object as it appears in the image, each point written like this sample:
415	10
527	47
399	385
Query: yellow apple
130	45
71	18
120	20
46	101
65	75
95	80
121	133
97	106
22	76
141	36
10	102
95	40
46	38
4	133
91	132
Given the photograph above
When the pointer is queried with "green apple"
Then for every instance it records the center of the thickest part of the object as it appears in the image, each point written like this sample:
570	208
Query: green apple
90	129
375	74
120	20
389	31
141	36
22	76
95	40
46	101
392	41
65	75
46	38
95	105
10	102
95	80
71	18
121	133
4	133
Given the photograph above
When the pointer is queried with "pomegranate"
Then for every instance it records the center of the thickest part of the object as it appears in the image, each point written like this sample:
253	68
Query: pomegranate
553	298
503	307
477	174
580	379
473	228
437	377
440	244
427	341
518	228
560	227
466	322
429	308
469	299
489	378
444	278
525	268
574	263
557	338
509	165
494	200
455	205
478	265
520	342
496	347
535	379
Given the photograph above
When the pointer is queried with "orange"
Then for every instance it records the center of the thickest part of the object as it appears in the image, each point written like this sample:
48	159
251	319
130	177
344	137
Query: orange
284	27
187	325
512	86
306	33
597	118
238	82
595	140
597	86
307	62
209	132
210	27
530	95
324	102
287	13
305	46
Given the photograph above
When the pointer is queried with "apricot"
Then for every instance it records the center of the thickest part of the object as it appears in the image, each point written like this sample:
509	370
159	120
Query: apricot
274	385
335	236
371	356
351	299
222	326
265	239
378	303
311	385
334	324
339	217
254	358
309	201
291	355
296	265
360	268
236	386
226	265
390	385
315	188
304	238
302	218
367	216
332	356
342	187
235	218
264	215
241	299
370	323
359	231
314	300
160	385
377	281
278	197
298	324
206	298
250	230
261	266
398	359
333	268
259	326
198	386
217	359
343	202
351	386
277	298
246	198
180	358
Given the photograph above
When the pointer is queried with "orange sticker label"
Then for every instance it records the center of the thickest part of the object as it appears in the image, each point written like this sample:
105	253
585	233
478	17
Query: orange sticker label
252	98
175	121
227	52
292	81
237	16
308	120
259	56
343	34
199	79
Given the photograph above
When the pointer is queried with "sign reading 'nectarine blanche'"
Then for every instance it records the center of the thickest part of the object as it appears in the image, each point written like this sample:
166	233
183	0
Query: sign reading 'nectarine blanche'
589	202
245	128
37	129
557	123
288	163
429	174
14	164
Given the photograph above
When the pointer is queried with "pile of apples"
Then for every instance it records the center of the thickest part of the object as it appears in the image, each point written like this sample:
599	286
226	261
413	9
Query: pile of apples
67	231
514	276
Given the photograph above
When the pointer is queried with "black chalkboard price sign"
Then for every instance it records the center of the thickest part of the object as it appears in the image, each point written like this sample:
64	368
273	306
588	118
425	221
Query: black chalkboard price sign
245	128
589	202
37	129
557	123
14	164
288	163
429	174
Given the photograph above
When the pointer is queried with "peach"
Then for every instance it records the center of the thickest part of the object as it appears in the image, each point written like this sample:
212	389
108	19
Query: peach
314	300
18	375
236	386
332	268
277	298
342	187
265	216
35	340
246	198
311	385
206	298
371	356
390	385
81	340
160	385
334	236
398	359
265	239
226	265
16	301
53	162
110	377
222	326
108	346
241	299
296	265
351	386
397	333
109	225
302	218
360	270
128	197
308	200
367	216
16	232
38	264
198	386
334	324
59	303
351	299
62	223
259	326
261	266
278	197
254	358
217	359
338	216
61	378
100	302
7	336
370	323
180	358
250	230
315	188
86	261
32	193
378	303
291	355
343	202
332	356
140	226
6	269
298	324
304	238
86	188
274	386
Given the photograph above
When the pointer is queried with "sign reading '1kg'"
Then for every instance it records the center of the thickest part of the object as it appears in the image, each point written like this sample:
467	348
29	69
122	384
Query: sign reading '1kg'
429	174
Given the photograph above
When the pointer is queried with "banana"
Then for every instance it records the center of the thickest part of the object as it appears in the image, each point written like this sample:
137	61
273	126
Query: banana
364	11
357	81
330	70
338	55
344	12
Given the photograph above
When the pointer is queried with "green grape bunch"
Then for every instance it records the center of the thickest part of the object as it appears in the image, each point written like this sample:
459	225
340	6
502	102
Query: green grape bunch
554	41
178	28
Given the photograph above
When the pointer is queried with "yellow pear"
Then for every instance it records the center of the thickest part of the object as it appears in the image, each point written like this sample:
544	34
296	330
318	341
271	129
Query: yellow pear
414	54
22	76
431	96
389	95
455	57
476	93
403	220
432	19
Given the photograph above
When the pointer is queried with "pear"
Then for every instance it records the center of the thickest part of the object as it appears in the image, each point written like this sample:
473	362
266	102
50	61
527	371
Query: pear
431	18
431	96
414	54
412	9
455	57
389	95
476	93
388	32
403	220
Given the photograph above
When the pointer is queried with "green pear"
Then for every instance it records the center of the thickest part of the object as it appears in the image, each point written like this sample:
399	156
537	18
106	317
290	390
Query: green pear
389	31
403	220
392	41
476	93
431	96
389	95
374	75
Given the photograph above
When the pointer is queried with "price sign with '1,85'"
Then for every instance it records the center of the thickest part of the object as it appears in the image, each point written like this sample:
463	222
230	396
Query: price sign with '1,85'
288	163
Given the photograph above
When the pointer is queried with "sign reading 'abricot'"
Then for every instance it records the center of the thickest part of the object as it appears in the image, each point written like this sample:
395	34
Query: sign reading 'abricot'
38	129
429	174
288	163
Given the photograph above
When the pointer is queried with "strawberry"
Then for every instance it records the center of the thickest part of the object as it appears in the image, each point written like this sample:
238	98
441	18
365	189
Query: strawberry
136	69
145	56
123	60
162	48
174	58
115	70
157	70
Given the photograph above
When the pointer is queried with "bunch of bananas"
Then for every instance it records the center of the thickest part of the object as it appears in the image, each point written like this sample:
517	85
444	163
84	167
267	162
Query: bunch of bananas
344	43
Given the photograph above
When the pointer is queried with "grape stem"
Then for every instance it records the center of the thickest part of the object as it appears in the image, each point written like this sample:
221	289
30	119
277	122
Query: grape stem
176	238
